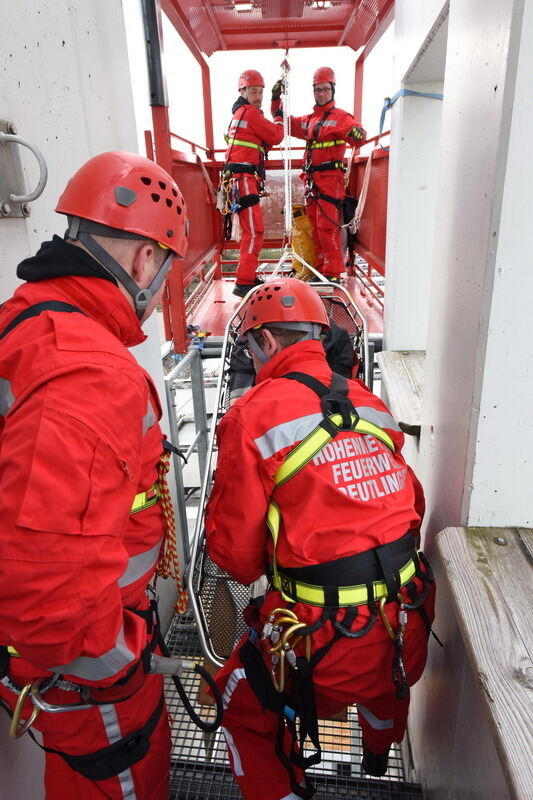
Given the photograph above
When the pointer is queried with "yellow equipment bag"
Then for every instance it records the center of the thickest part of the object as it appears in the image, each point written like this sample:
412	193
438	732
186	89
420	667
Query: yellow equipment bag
302	243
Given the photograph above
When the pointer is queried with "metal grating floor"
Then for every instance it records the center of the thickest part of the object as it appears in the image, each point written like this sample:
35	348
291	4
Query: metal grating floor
200	767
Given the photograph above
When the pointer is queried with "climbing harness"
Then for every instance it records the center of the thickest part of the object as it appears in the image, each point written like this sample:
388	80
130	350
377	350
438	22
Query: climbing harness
372	578
128	750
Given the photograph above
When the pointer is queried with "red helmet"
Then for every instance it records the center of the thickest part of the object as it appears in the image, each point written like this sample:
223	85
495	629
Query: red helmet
130	193
324	75
250	77
283	300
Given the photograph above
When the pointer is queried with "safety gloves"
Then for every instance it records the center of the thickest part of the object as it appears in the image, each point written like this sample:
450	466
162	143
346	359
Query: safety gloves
357	133
277	89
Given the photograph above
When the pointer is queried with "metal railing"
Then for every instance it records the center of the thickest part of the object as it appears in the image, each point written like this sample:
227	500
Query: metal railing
191	361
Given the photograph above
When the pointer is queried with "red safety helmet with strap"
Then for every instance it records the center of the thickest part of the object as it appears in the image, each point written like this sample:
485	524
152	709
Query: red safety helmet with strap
324	75
250	77
283	300
124	195
130	193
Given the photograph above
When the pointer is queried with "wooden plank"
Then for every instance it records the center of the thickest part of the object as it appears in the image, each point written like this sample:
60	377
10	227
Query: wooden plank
490	580
402	375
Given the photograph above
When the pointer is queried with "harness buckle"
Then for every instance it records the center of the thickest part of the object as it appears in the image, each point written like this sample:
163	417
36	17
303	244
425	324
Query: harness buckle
18	728
52	708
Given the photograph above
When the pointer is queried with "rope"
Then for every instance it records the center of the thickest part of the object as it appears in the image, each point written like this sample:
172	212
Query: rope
168	565
286	151
389	102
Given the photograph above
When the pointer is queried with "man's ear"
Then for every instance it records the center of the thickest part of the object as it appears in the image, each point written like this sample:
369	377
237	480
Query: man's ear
270	344
143	265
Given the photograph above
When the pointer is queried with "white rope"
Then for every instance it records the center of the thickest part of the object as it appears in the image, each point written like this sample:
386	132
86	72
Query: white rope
286	149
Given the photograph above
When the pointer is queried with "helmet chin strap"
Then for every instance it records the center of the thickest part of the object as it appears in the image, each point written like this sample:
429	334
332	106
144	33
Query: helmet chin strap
141	297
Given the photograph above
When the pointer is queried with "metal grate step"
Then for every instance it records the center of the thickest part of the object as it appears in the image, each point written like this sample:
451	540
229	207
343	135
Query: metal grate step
200	766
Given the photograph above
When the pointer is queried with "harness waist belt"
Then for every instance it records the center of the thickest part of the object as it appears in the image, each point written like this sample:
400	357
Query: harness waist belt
250	169
352	580
325	166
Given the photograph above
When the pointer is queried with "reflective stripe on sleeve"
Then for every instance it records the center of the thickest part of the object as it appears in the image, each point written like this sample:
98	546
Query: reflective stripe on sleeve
139	565
149	418
104	666
6	396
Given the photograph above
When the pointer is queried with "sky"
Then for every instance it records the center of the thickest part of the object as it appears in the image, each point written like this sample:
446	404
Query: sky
184	84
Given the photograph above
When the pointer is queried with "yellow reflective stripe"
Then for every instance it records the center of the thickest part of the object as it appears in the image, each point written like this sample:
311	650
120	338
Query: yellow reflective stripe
242	143
348	595
145	499
327	143
13	652
317	439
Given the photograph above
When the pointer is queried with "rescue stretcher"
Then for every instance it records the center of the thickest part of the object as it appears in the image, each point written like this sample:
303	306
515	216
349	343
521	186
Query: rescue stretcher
217	601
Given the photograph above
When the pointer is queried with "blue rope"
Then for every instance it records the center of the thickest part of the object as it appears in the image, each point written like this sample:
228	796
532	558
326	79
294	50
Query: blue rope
389	102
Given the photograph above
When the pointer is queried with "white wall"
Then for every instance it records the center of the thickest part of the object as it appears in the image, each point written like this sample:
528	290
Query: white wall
65	84
478	106
502	462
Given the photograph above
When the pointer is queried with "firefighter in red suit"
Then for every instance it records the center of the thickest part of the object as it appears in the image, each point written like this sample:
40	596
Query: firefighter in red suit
249	137
82	528
327	131
350	601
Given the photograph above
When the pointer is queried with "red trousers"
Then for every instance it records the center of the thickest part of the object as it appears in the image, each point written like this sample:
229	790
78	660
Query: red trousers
252	232
82	732
325	220
354	671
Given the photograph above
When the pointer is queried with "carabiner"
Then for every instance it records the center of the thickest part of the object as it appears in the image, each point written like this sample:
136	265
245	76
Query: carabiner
51	708
385	619
18	728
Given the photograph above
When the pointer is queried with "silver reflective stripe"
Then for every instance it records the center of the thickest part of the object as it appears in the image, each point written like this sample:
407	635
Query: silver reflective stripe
237	764
149	418
305	124
380	418
113	732
6	396
242	123
330	123
139	565
231	684
96	669
374	722
286	434
289	433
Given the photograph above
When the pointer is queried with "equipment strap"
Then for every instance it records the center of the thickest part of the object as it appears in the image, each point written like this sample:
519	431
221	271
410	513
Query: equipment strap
326	143
339	415
36	309
231	141
326	166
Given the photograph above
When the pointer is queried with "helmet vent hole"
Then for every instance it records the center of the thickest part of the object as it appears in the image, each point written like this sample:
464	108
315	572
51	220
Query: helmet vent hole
162	185
168	202
155	197
174	192
178	209
277	288
146	181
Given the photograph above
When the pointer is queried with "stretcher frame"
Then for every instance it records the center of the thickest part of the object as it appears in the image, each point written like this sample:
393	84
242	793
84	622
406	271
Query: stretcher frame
207	583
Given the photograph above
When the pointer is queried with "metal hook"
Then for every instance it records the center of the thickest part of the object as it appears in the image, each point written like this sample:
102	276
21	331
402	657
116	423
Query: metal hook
27	198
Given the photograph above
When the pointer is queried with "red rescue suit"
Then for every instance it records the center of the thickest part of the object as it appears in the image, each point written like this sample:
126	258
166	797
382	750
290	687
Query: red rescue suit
353	496
327	131
79	441
249	137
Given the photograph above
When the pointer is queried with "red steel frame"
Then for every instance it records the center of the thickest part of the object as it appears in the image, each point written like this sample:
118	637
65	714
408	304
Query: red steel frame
174	310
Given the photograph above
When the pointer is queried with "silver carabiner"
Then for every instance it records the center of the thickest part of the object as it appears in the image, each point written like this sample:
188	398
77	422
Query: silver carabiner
51	708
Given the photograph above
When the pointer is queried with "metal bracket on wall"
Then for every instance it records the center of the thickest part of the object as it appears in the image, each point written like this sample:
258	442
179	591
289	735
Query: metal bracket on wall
14	199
